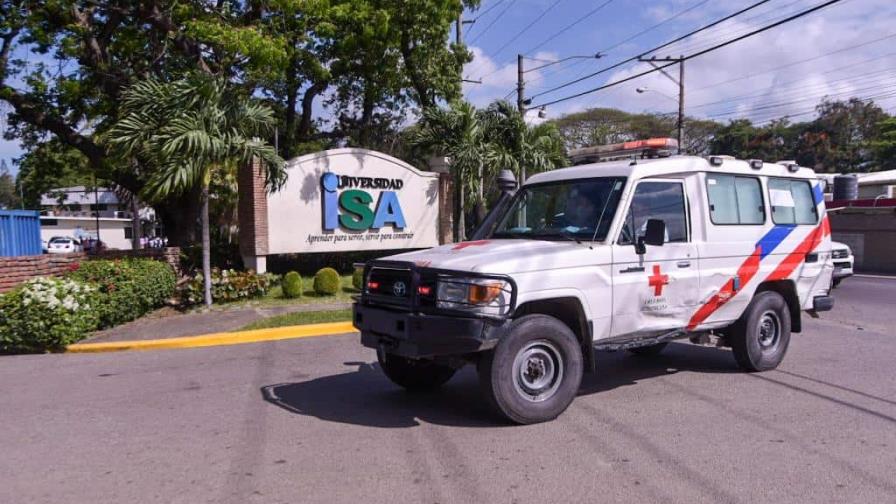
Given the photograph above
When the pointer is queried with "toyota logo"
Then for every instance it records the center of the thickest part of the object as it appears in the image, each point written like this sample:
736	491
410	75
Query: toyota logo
399	289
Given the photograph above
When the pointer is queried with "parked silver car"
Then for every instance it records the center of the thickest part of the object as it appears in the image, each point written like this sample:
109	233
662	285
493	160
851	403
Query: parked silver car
63	245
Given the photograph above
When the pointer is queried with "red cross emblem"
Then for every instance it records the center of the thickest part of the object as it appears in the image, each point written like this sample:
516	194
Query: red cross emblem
463	245
657	280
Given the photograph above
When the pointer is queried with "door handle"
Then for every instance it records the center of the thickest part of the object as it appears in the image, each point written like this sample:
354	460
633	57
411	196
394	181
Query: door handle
684	264
633	269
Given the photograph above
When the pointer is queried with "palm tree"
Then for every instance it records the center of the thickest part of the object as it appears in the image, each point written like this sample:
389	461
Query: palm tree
523	148
456	133
189	129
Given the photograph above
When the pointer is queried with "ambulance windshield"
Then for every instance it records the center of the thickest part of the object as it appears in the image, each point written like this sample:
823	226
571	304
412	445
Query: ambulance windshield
581	210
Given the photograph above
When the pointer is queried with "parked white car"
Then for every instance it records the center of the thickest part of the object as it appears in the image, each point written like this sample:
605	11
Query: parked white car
63	245
843	261
610	256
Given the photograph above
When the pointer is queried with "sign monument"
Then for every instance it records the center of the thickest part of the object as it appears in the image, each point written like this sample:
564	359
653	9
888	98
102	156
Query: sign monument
338	201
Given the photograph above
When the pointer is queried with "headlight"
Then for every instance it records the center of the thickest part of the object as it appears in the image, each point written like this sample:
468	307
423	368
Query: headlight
486	296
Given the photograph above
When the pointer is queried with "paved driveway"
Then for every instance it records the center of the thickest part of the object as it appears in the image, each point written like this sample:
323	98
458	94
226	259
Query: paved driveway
314	421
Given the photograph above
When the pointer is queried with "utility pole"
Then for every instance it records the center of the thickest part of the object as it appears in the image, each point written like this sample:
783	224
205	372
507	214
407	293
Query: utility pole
521	102
680	82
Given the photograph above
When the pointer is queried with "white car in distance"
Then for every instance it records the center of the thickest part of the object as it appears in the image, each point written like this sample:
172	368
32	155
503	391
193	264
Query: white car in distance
63	245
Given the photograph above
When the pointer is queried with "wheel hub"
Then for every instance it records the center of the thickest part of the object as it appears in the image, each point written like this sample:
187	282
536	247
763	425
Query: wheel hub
769	331
538	371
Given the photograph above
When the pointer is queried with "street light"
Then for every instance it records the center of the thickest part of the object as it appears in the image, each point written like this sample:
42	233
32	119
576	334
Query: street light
597	55
642	90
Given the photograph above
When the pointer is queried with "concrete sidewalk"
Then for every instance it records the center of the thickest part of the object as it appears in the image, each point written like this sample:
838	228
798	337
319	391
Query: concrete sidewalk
168	323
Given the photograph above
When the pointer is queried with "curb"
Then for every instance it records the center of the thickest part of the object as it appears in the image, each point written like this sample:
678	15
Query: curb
218	339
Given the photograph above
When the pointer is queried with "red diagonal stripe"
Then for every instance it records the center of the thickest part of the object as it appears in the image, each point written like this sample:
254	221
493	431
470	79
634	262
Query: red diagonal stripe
746	272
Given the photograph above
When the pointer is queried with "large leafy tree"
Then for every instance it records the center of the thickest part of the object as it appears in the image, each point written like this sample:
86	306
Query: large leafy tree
189	131
884	145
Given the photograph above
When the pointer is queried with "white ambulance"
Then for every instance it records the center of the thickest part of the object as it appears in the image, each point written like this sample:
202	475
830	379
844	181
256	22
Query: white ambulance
612	256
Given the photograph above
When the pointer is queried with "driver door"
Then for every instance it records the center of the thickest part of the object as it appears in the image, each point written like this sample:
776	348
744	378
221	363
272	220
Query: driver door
657	291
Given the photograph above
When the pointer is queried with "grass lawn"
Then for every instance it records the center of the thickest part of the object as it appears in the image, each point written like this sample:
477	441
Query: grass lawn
300	318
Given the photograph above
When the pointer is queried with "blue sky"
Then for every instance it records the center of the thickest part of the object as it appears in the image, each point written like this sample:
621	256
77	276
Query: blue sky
741	80
847	49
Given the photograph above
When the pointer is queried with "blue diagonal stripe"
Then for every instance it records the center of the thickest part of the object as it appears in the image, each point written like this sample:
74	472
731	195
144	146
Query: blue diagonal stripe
818	193
773	238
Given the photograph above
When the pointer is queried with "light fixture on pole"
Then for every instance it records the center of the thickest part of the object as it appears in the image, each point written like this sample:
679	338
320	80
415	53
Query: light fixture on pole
680	82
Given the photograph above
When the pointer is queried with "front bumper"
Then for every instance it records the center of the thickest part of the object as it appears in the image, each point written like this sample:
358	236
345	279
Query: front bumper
822	303
418	335
842	269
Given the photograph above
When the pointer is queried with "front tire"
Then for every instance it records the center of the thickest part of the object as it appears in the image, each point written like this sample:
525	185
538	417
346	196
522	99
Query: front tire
414	375
760	338
534	372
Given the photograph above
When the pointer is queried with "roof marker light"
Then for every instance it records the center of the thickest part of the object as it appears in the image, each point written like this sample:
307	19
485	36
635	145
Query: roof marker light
793	167
716	160
756	164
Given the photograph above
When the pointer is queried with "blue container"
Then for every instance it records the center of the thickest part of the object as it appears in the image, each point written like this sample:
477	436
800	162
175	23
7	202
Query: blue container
19	233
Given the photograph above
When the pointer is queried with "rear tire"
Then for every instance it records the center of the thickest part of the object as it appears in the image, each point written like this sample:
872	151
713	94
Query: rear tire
759	339
836	282
534	372
414	375
650	350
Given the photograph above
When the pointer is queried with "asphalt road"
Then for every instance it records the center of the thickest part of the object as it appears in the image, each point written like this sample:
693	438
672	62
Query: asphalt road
314	421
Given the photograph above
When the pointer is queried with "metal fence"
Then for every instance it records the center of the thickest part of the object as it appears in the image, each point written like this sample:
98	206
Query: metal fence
19	233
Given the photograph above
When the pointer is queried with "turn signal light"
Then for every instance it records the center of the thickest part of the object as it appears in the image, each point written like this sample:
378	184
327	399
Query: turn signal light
484	293
424	290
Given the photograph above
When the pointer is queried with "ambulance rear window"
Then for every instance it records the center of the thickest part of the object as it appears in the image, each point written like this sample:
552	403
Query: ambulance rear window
792	201
735	200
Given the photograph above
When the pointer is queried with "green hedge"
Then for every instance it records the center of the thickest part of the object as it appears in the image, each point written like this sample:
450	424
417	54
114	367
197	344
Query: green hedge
228	285
130	287
291	285
358	278
47	314
327	282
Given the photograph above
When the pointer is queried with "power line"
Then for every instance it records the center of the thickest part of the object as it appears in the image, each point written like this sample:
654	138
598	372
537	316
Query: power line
646	30
693	45
767	118
492	23
526	28
635	58
694	55
812	97
567	27
483	14
795	63
792	90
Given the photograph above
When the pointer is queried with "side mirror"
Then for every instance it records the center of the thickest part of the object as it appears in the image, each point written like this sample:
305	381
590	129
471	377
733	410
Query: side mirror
655	233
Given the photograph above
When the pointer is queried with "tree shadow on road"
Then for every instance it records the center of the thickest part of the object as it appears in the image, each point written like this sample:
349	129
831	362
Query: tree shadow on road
364	396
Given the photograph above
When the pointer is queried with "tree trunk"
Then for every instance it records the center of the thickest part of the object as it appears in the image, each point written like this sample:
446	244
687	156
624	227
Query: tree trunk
206	249
137	228
459	233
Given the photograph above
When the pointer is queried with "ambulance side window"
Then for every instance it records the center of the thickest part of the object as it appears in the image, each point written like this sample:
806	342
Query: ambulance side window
792	201
656	200
735	200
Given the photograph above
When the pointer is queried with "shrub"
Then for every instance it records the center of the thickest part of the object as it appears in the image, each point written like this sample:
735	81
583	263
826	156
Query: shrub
47	314
129	287
228	285
358	278
327	282
291	285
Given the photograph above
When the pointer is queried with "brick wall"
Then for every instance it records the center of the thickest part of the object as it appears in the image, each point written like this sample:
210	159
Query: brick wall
252	210
15	270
